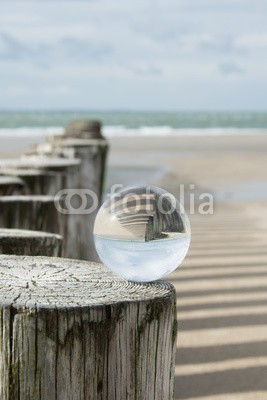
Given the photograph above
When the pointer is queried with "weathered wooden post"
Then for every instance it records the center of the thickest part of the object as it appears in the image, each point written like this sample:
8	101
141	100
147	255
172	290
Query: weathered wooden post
61	172
30	243
84	129
37	181
92	153
82	140
71	330
11	186
36	213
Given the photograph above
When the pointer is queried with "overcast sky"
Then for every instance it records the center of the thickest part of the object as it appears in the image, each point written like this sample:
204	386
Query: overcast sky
133	54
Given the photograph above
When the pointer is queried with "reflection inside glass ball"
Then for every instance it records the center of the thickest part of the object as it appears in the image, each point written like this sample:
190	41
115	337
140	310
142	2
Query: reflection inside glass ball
142	233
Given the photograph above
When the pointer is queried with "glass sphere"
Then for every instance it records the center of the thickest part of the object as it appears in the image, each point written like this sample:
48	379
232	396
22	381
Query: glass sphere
142	233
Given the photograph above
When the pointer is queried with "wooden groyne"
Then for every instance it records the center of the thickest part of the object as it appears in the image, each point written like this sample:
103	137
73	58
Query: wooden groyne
71	329
71	166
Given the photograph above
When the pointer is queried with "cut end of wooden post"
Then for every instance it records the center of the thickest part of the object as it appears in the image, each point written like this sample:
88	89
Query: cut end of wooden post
72	330
87	129
39	162
74	283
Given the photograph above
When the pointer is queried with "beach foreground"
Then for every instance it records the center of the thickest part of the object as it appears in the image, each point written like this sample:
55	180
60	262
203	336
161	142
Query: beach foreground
221	286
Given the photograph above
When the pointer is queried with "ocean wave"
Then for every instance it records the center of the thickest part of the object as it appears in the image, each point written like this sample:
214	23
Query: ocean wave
35	132
113	131
123	131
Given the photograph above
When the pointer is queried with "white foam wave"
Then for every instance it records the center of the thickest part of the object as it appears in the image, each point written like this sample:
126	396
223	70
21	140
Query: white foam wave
122	131
35	132
113	131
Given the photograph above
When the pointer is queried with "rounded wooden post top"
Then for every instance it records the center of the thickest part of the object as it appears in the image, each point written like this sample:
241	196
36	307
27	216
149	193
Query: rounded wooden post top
56	283
27	198
24	172
81	142
24	233
31	243
11	180
39	162
84	129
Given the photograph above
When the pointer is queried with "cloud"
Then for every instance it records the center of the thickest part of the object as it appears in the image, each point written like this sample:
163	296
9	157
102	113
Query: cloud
124	53
228	69
221	44
66	49
252	41
147	70
18	90
59	91
11	48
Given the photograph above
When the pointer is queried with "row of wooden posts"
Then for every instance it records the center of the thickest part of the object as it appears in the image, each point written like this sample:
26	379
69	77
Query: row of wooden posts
75	162
70	329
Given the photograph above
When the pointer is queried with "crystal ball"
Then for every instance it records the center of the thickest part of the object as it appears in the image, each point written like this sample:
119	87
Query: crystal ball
142	233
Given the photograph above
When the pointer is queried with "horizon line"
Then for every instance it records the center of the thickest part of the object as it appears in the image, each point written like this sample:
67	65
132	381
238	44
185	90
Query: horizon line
153	111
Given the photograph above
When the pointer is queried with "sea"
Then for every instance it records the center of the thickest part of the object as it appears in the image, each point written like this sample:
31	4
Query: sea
123	123
33	125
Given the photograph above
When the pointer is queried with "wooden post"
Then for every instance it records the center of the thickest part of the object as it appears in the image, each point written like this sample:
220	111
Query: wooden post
92	153
37	181
65	175
82	140
67	170
71	330
30	243
36	213
11	186
84	129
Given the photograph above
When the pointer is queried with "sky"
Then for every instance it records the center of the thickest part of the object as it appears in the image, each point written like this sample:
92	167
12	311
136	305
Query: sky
178	55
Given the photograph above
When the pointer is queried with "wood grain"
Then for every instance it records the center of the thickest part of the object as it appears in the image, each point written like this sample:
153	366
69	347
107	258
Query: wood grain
71	330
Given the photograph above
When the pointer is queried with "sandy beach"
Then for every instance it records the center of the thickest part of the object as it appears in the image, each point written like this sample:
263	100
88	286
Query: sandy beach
221	286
